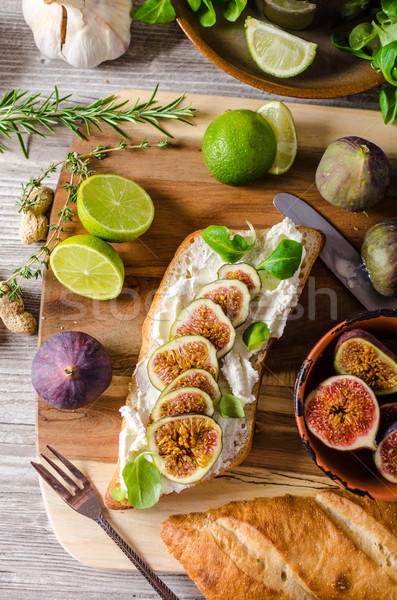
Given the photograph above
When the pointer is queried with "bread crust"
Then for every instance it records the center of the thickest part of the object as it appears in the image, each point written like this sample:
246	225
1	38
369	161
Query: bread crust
317	241
239	547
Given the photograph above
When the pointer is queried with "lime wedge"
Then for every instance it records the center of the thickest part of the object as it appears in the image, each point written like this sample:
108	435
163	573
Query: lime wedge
114	208
292	14
88	266
282	122
277	52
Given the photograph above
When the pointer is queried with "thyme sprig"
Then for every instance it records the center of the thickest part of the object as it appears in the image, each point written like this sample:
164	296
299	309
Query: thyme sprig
21	112
77	165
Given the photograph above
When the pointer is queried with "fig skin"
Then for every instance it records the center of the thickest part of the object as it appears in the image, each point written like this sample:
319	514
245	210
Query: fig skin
379	253
353	174
71	369
332	413
374	365
385	456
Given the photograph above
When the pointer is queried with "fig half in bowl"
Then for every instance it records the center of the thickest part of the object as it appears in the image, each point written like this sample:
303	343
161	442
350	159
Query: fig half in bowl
353	469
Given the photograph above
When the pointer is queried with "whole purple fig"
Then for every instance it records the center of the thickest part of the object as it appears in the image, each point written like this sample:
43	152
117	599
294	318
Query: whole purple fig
379	252
353	174
71	369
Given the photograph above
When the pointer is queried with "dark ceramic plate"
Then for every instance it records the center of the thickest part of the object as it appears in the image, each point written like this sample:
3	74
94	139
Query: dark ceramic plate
354	470
333	73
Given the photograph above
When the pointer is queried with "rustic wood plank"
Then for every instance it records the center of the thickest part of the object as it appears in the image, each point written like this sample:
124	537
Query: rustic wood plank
32	560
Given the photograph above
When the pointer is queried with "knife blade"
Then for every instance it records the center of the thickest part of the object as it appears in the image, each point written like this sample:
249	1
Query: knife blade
338	254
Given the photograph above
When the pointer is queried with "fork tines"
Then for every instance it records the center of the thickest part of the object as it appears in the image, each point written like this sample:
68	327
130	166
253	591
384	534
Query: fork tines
53	481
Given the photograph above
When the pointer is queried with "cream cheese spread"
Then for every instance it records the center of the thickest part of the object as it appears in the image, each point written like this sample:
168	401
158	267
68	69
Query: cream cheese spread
238	376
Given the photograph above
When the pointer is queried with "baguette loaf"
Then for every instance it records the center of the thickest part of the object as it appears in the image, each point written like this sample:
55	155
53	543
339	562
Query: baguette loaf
194	265
335	546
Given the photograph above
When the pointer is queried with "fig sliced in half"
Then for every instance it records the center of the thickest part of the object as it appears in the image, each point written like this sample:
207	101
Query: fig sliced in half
179	402
245	273
385	456
343	413
232	296
197	378
179	355
360	353
204	317
187	446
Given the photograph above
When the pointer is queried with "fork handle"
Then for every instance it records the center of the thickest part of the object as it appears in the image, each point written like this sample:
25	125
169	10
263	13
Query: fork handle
161	588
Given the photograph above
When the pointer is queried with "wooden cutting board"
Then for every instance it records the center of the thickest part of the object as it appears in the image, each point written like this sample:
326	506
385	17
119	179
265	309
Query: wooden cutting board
187	198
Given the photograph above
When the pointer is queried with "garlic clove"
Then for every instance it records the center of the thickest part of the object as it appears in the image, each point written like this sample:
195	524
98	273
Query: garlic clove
83	32
92	37
45	21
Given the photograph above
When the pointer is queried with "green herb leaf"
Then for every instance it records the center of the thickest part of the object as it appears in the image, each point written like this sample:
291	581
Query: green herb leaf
23	113
385	61
284	260
255	335
154	12
340	42
387	32
231	407
382	18
117	493
229	249
348	11
234	9
362	35
194	4
390	8
143	482
206	14
388	103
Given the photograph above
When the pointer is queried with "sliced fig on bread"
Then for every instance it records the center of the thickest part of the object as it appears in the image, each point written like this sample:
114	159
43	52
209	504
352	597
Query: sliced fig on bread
245	273
185	447
232	296
179	402
206	318
179	355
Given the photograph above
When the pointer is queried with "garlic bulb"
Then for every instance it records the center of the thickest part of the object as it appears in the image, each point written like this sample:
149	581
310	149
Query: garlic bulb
82	32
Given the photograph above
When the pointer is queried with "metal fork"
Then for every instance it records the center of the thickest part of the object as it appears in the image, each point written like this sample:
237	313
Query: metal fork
85	501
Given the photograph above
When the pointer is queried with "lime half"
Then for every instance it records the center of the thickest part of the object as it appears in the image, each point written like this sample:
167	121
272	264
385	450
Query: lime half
292	14
282	122
277	52
114	208
88	266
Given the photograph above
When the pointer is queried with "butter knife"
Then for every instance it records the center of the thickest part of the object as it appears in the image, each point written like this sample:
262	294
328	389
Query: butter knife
338	254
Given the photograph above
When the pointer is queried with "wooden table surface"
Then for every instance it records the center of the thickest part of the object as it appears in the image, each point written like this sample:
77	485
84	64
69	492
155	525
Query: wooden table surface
33	563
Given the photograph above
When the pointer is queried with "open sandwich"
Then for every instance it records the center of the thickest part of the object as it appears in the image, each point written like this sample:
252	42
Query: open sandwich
193	395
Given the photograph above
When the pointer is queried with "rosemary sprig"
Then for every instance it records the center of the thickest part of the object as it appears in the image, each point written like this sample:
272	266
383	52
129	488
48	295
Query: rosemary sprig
78	167
21	112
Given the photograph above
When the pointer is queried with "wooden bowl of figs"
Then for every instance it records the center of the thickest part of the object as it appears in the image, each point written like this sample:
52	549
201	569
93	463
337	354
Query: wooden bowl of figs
345	404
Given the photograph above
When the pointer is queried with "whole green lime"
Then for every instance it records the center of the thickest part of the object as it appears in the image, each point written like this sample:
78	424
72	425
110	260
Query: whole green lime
238	147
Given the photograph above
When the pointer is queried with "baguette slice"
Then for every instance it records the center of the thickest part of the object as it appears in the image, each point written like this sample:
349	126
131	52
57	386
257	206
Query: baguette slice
180	270
287	548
